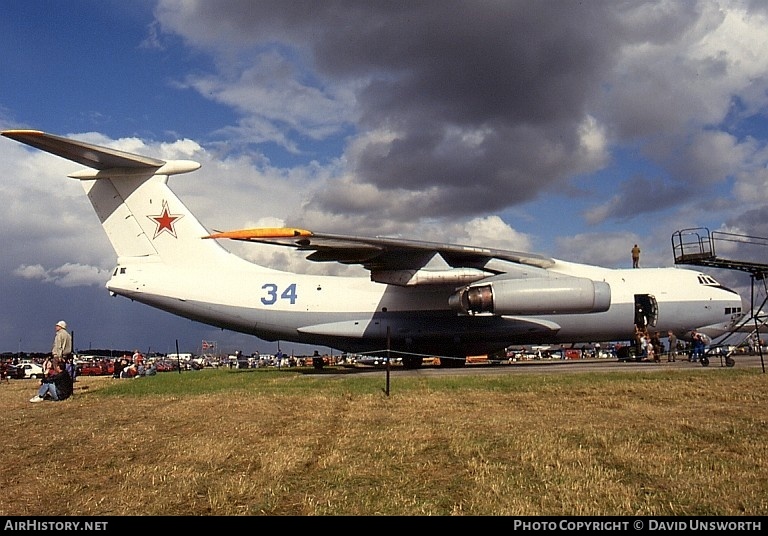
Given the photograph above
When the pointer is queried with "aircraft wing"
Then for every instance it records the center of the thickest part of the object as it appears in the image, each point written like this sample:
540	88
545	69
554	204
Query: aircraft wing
397	260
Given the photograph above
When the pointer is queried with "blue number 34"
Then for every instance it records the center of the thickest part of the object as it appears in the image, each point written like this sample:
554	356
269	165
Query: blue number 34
272	294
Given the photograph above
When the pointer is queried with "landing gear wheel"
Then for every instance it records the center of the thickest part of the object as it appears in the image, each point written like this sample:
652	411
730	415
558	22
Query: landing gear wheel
729	362
410	362
704	361
452	363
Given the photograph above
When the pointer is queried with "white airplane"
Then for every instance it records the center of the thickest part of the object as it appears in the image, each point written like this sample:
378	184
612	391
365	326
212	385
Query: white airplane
422	298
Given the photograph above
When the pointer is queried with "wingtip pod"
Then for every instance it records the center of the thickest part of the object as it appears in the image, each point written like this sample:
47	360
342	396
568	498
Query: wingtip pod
262	233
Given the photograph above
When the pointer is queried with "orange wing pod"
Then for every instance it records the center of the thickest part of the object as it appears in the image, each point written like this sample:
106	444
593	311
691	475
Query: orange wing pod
262	233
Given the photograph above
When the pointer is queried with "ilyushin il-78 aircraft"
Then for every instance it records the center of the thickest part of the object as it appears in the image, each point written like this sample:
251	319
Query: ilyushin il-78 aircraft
421	299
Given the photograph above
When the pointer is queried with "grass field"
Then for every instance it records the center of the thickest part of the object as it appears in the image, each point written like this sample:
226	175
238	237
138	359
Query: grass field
292	442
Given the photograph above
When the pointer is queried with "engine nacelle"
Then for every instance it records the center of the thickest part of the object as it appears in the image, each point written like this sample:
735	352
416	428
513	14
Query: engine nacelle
537	296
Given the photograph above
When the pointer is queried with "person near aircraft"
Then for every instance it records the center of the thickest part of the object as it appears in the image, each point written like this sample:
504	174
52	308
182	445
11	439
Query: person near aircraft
658	347
649	353
641	319
55	387
317	360
638	342
672	341
697	346
635	256
62	346
752	343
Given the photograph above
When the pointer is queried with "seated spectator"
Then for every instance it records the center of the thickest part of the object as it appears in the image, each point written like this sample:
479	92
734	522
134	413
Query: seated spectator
150	370
49	366
129	371
56	387
119	366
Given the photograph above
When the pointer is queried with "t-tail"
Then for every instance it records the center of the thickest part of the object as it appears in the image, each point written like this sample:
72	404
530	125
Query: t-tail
140	214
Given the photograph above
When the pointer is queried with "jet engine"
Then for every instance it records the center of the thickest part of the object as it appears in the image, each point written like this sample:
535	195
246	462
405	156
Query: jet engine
535	296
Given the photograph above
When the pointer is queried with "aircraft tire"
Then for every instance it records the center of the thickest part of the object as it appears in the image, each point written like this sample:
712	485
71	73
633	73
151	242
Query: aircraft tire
729	362
704	361
411	363
452	363
627	353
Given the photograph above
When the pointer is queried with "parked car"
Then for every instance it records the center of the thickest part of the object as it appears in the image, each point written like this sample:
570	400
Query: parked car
166	366
377	361
15	372
29	370
90	369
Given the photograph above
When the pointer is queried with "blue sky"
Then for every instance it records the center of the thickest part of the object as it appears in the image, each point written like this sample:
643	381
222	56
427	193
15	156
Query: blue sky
559	128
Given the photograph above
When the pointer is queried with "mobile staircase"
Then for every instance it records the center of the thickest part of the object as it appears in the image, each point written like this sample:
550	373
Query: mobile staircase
718	249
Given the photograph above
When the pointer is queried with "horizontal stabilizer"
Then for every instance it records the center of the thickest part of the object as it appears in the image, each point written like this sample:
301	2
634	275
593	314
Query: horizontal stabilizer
140	214
86	154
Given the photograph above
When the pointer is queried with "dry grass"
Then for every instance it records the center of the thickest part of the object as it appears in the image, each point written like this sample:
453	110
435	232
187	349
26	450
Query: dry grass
281	443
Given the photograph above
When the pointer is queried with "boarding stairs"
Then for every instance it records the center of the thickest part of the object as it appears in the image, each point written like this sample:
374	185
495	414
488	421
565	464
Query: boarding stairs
719	249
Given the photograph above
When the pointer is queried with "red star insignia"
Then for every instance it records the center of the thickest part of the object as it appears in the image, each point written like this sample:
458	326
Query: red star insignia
165	221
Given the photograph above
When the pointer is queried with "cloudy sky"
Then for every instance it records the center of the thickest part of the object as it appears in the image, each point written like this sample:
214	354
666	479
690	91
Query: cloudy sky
571	129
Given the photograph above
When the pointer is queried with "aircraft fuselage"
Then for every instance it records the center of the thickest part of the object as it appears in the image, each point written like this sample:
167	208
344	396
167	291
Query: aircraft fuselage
357	315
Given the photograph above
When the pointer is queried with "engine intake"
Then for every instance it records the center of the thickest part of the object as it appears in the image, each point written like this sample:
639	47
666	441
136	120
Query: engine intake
557	295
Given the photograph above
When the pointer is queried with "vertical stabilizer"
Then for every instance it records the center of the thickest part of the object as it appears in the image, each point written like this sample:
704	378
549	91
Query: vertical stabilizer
143	218
141	215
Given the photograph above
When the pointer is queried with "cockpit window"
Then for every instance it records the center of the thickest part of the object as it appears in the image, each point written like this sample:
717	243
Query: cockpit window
708	280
